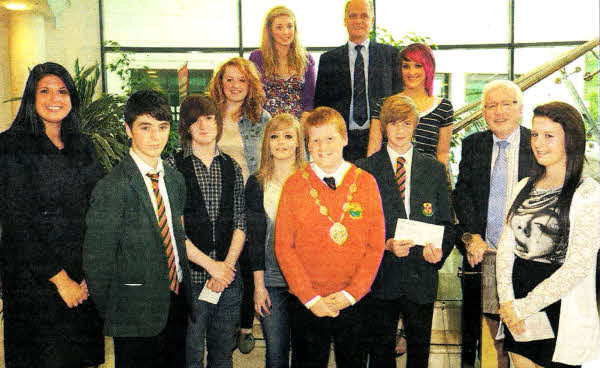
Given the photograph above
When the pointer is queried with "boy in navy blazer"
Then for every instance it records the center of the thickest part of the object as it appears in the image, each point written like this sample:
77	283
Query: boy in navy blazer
412	186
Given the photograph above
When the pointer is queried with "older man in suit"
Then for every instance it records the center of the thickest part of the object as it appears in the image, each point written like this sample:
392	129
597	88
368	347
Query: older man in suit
134	253
354	78
492	163
412	186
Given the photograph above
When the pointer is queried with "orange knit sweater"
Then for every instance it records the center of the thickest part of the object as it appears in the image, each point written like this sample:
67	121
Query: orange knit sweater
311	262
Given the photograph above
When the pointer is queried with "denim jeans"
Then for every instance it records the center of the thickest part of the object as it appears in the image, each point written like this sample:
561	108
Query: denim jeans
216	322
276	328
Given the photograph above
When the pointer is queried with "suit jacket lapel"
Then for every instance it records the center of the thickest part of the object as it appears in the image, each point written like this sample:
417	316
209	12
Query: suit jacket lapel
174	200
416	174
486	168
345	65
524	153
373	61
139	187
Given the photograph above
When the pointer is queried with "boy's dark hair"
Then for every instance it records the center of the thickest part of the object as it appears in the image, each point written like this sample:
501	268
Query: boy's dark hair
191	108
147	102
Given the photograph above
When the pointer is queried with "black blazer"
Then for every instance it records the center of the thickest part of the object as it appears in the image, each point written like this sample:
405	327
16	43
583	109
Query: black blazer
472	190
411	276
334	86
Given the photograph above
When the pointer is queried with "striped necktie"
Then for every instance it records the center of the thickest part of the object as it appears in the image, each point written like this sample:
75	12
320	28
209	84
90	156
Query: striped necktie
165	234
401	176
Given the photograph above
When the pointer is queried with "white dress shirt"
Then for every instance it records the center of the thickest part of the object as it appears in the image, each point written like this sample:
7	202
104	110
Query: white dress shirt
338	175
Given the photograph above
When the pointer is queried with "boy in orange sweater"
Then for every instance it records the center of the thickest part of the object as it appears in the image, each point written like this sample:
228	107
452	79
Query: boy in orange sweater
329	239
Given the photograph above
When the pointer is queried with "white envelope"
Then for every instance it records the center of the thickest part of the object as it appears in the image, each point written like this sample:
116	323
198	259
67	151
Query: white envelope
537	327
209	296
419	232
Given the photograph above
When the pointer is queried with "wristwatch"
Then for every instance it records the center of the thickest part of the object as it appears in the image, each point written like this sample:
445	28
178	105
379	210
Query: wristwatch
467	238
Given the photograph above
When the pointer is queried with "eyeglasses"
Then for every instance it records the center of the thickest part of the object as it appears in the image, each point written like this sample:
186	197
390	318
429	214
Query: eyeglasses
504	105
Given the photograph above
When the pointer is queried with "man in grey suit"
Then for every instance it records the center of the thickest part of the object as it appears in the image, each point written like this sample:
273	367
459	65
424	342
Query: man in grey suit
354	79
492	163
134	253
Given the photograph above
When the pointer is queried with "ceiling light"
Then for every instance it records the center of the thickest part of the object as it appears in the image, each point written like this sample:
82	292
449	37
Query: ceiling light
15	6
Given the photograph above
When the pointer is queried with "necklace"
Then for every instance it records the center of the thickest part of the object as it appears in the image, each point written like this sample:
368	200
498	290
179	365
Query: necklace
337	232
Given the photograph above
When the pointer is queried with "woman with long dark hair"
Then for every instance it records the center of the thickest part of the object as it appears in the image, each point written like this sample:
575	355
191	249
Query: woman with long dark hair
48	172
546	261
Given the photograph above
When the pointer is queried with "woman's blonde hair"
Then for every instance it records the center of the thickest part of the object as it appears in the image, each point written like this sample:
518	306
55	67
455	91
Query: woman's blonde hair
255	98
277	123
297	54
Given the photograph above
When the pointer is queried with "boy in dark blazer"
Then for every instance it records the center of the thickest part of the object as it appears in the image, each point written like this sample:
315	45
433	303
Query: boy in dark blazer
412	186
134	253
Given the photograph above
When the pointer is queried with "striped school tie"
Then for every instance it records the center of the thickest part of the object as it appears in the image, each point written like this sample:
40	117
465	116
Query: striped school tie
165	235
401	177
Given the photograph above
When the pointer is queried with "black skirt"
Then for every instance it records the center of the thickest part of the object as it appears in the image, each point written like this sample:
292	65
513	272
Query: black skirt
526	276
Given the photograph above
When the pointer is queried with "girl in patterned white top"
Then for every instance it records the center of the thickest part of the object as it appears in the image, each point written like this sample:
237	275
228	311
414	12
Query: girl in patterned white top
287	70
546	259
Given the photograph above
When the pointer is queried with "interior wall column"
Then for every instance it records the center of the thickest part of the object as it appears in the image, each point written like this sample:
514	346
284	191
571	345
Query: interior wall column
26	48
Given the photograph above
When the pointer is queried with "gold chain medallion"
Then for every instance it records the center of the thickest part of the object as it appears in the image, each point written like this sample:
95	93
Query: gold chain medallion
337	232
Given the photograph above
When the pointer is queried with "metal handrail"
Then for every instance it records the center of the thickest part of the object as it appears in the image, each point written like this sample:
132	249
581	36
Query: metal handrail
527	80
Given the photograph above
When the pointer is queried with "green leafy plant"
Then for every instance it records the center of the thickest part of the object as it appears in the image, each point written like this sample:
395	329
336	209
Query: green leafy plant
136	79
381	35
131	78
100	118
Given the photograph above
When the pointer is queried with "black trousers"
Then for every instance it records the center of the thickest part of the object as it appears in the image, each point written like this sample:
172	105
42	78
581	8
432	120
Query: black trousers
471	315
247	307
167	349
312	336
380	325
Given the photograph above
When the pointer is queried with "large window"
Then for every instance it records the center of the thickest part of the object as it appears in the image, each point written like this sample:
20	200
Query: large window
181	23
447	22
320	22
555	20
477	40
